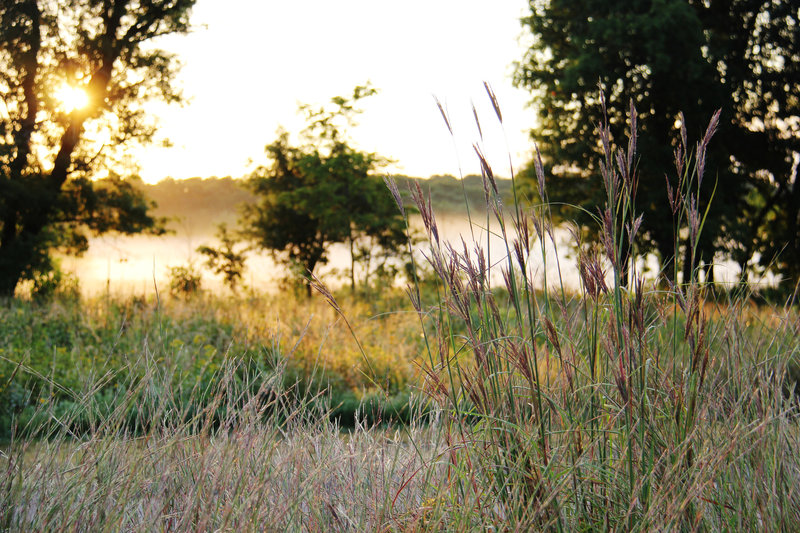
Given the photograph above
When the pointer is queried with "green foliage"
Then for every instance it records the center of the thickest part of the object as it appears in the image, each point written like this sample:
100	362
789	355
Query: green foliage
55	282
52	351
184	281
82	357
50	154
668	57
320	193
225	260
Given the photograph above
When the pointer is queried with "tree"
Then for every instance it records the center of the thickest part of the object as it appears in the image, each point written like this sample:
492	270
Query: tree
756	48
667	57
320	193
74	75
225	260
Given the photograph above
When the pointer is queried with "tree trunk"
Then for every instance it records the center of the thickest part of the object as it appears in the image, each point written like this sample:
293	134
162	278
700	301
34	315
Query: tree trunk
625	265
791	252
666	252
10	274
14	258
367	268
352	265
310	265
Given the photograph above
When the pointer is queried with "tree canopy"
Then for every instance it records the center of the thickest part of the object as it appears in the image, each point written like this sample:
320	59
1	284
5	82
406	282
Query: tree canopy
74	76
668	57
323	192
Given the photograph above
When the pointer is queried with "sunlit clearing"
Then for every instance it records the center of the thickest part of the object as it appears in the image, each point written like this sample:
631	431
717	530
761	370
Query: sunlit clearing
71	98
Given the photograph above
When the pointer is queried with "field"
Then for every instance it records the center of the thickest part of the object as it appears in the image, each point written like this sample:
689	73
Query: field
263	412
462	404
601	333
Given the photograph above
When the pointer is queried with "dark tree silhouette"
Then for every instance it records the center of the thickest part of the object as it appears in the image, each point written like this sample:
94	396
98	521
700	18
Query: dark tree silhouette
226	260
49	197
671	56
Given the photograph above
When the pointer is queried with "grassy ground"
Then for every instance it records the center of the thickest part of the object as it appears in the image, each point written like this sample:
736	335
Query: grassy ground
217	413
632	404
61	351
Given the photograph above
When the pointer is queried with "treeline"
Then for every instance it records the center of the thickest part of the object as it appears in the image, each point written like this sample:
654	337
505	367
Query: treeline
202	203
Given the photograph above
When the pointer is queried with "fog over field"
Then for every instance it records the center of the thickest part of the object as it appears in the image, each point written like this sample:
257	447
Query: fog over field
139	264
194	208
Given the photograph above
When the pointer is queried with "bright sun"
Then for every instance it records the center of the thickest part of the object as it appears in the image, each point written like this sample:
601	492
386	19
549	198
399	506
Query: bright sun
72	98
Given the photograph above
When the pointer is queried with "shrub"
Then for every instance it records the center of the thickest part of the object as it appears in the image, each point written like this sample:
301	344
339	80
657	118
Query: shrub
184	281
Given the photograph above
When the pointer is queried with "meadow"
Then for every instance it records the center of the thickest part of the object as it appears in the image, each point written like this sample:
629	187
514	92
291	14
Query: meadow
463	403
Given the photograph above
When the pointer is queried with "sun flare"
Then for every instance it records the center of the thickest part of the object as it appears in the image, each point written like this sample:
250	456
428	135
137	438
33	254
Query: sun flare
71	98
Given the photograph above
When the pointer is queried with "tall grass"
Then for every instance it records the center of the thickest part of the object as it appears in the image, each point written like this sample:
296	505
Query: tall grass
185	421
630	405
255	459
59	351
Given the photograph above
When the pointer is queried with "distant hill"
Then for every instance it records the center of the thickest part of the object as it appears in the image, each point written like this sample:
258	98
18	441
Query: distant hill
202	203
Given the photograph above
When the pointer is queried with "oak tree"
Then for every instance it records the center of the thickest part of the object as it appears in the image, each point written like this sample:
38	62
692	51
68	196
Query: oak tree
74	75
672	56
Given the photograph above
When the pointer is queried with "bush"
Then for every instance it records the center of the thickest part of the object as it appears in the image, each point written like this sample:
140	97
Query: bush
184	281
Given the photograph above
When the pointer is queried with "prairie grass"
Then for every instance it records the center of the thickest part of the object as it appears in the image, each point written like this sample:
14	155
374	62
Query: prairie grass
635	404
268	464
632	404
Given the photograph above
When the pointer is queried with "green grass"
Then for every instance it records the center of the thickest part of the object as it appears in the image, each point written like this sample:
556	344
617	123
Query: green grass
198	418
201	415
66	352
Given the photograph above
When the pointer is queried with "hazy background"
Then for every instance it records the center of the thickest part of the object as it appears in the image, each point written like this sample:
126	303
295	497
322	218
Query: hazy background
249	63
131	265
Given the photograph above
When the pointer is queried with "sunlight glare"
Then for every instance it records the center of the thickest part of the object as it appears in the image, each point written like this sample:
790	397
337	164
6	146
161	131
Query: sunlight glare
71	98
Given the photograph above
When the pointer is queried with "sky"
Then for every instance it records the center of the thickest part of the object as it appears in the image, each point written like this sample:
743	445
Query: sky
249	63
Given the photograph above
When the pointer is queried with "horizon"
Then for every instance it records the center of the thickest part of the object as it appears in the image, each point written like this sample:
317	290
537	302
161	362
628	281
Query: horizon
471	175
